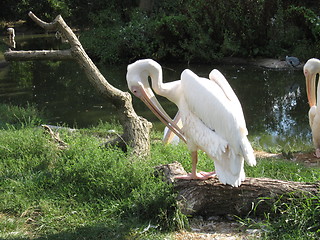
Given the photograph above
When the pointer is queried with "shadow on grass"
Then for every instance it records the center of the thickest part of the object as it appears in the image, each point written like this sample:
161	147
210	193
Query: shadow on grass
117	230
93	232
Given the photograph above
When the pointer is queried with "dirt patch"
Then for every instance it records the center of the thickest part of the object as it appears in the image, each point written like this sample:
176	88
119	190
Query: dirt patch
217	230
262	154
308	159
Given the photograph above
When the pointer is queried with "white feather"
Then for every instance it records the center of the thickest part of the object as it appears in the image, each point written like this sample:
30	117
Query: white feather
218	128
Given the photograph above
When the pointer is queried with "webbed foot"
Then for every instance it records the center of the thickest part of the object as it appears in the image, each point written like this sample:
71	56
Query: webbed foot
200	176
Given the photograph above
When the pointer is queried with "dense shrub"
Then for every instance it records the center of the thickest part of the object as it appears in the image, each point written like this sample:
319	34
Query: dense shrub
206	30
188	30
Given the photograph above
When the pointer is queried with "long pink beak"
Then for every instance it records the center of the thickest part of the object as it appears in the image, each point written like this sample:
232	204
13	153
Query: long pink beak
169	135
153	104
311	88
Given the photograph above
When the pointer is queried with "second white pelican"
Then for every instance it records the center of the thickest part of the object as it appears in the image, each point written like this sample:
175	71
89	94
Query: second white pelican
310	70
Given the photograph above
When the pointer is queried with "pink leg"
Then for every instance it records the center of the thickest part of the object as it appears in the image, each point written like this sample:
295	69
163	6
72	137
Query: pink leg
194	174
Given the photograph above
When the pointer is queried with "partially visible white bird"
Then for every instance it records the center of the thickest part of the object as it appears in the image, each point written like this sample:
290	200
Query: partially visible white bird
11	33
211	116
310	70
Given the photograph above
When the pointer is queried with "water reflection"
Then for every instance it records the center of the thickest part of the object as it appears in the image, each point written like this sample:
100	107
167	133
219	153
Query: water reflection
274	102
282	105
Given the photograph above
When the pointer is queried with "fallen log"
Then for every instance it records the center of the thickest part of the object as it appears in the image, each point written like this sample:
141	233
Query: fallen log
211	198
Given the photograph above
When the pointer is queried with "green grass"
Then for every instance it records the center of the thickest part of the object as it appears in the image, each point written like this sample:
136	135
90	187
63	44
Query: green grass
284	170
290	219
16	116
299	218
82	191
89	192
85	185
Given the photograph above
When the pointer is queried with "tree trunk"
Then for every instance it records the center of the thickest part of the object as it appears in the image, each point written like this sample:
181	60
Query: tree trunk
211	198
136	129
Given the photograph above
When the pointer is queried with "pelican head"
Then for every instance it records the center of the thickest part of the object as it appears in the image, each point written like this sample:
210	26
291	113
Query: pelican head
138	77
138	74
310	70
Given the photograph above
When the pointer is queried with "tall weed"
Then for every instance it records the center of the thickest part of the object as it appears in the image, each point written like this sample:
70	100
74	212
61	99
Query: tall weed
16	116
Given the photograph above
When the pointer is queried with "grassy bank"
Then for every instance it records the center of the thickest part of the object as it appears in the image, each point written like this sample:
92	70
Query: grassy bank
88	192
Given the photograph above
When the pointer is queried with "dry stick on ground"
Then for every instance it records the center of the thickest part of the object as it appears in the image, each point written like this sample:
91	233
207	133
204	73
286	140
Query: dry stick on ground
56	137
136	129
211	198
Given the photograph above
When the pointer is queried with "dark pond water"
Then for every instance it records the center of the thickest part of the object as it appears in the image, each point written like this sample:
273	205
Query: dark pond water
274	101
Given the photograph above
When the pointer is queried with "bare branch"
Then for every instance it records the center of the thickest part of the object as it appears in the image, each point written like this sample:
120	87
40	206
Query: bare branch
47	26
38	55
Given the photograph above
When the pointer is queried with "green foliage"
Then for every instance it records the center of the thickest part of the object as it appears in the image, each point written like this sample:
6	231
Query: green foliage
311	19
291	218
299	219
113	42
16	116
21	71
46	9
204	31
188	30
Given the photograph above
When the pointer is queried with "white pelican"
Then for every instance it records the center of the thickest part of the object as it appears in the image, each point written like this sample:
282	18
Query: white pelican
210	113
310	70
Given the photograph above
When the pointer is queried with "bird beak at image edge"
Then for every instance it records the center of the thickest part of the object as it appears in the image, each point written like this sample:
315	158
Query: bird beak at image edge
311	88
153	104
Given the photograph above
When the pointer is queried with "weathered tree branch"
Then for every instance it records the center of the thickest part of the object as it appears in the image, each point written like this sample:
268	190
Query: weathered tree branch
39	55
47	26
211	198
136	129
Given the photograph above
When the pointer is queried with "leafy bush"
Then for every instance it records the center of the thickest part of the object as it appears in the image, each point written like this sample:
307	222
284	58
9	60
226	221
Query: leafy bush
46	9
20	116
204	31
